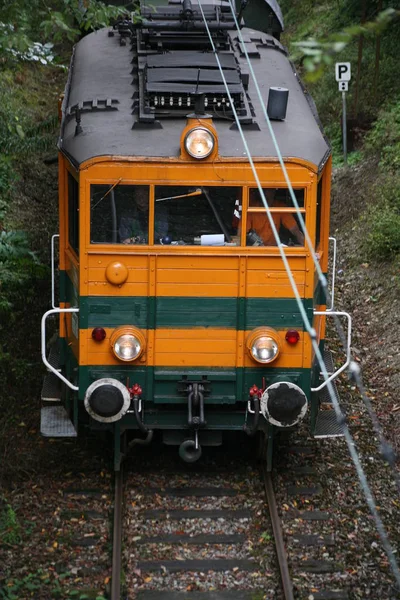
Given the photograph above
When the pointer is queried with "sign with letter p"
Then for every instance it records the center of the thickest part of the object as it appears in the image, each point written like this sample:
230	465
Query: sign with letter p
343	71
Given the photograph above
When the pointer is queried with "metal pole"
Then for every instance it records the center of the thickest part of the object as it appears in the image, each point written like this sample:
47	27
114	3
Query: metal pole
344	123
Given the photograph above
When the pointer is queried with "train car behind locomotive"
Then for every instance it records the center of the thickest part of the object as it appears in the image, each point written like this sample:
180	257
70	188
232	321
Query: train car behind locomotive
176	310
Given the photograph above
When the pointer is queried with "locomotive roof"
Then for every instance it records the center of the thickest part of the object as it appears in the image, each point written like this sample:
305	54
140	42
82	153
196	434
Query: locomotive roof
105	85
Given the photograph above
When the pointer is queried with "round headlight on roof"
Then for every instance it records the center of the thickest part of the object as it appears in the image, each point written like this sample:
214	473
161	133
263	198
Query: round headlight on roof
127	343
263	345
199	142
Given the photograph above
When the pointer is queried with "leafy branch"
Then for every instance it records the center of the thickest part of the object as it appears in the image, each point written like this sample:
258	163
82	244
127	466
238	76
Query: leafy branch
78	17
316	54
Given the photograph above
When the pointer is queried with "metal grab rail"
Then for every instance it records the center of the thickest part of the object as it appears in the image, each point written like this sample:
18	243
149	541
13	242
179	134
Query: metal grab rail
54	311
348	346
53	278
332	239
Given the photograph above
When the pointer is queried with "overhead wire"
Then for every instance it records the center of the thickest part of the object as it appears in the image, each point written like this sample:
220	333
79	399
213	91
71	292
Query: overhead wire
313	336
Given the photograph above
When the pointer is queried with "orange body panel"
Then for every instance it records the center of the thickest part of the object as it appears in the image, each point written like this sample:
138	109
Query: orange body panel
190	271
203	276
197	347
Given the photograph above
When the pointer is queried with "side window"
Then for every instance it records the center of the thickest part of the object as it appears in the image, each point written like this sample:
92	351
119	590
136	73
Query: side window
73	213
195	215
319	213
283	213
119	214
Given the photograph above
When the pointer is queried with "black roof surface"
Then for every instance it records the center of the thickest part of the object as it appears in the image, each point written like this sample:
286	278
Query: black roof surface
102	84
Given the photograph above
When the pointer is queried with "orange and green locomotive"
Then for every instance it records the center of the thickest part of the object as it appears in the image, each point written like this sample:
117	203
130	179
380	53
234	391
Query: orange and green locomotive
176	312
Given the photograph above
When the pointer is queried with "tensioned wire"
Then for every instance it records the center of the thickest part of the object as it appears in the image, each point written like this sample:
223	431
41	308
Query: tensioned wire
386	449
349	440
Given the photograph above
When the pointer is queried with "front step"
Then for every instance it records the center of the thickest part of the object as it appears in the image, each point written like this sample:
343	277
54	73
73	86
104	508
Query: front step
55	423
327	425
328	360
54	354
51	390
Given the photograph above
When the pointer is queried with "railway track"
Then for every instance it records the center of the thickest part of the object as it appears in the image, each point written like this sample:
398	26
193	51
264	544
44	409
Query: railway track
204	533
198	533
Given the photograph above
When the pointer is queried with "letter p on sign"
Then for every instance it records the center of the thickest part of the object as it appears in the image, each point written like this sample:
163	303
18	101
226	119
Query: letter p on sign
343	71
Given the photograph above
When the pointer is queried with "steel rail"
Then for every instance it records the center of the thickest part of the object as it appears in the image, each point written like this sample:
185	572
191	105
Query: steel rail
117	538
279	543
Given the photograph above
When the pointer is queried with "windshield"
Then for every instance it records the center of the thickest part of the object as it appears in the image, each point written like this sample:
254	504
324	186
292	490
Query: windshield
191	215
196	216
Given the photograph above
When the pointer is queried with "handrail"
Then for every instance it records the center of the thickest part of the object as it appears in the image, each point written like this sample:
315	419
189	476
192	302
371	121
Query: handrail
348	348
55	311
53	300
332	239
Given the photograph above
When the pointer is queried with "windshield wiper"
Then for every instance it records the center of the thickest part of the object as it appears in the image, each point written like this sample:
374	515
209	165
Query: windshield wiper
217	215
197	192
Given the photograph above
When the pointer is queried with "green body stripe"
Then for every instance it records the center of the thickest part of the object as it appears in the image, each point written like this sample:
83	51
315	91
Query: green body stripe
172	313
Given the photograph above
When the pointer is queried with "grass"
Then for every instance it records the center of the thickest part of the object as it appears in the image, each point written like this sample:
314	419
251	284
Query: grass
9	526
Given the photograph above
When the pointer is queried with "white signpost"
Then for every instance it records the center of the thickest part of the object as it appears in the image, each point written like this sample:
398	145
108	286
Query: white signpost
343	76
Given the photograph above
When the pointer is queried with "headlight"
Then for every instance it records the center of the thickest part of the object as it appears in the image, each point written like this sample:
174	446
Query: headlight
127	343
264	349
199	142
263	345
127	347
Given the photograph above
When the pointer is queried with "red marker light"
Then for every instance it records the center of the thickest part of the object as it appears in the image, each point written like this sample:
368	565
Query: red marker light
292	336
98	334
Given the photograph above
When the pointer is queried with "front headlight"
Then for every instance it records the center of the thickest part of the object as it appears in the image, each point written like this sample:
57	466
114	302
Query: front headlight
199	142
127	343
263	345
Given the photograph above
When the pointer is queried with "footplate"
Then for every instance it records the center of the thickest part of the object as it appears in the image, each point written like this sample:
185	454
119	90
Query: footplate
51	390
54	422
327	425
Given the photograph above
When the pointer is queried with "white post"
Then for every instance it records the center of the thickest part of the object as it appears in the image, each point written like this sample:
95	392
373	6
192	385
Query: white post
344	124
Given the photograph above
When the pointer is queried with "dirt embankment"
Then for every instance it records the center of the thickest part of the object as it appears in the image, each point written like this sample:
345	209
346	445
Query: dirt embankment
370	292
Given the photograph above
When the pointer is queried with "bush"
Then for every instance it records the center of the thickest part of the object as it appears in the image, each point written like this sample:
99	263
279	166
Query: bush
383	220
384	138
9	526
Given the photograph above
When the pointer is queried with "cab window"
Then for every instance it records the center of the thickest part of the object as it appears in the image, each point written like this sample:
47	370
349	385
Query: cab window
119	214
201	216
284	215
73	213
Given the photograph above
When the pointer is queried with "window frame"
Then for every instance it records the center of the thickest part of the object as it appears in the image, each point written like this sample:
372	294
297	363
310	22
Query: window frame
246	209
304	184
73	217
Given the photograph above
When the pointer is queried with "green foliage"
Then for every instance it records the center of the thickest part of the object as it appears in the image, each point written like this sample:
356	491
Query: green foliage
384	138
28	30
316	54
17	265
19	26
7	178
383	220
44	582
9	526
76	17
14	247
16	24
21	133
331	31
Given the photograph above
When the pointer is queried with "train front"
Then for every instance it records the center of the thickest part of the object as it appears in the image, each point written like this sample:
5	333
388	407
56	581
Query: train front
177	313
